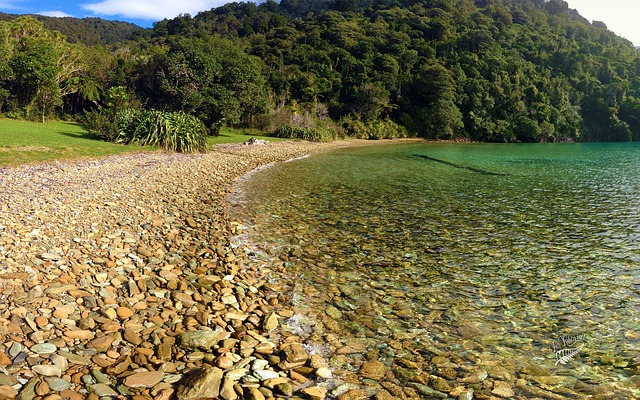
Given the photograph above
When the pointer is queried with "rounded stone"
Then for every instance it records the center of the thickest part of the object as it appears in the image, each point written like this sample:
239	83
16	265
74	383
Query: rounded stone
124	312
44	348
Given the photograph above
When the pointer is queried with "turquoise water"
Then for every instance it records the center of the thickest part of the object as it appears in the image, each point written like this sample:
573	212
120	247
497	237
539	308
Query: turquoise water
467	251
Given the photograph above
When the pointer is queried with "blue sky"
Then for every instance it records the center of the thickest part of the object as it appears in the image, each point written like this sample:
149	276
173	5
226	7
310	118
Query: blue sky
140	12
621	16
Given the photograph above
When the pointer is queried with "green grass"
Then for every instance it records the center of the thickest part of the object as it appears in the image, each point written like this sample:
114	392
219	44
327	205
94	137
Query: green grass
235	135
23	142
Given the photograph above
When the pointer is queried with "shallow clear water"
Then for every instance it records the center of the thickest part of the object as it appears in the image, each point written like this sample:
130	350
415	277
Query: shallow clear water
465	250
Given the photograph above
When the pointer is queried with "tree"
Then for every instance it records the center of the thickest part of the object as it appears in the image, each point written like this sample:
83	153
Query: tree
432	101
211	78
45	68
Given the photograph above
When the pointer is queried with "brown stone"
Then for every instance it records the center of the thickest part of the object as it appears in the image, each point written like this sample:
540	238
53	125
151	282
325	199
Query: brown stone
502	389
228	391
440	384
253	394
101	344
102	361
132	336
80	334
5	360
270	322
163	352
352	349
8	393
143	251
42	388
124	312
60	314
315	392
373	370
165	394
224	362
354	394
144	379
295	353
200	383
384	395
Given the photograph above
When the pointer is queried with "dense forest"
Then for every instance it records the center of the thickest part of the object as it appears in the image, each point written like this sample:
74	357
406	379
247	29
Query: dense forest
486	70
88	31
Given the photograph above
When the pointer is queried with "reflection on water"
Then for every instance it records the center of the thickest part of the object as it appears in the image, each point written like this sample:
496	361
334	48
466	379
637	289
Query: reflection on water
482	256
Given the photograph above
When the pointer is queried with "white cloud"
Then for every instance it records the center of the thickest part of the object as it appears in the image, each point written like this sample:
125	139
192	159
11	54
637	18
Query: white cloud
57	14
153	10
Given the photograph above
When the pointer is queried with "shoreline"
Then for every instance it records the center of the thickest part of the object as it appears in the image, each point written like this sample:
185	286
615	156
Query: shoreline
118	278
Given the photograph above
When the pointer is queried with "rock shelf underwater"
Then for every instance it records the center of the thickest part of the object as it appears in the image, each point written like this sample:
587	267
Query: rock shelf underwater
420	280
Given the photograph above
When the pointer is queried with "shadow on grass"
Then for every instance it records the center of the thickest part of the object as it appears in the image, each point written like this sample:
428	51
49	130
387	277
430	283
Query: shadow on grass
84	134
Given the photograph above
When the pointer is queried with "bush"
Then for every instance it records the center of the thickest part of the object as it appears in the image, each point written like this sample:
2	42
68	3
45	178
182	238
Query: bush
176	131
100	124
310	134
375	129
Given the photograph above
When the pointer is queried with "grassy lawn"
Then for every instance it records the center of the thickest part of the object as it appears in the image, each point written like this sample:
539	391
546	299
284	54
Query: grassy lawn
32	142
232	135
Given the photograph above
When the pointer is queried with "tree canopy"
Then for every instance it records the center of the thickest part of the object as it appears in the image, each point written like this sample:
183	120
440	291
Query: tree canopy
487	70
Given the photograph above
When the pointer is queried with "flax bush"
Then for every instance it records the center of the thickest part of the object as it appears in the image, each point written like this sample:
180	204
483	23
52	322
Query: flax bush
173	131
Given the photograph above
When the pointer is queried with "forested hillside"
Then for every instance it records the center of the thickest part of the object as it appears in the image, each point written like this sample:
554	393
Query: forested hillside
88	31
489	70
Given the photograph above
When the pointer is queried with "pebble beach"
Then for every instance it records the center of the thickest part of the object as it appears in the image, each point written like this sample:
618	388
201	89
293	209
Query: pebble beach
118	280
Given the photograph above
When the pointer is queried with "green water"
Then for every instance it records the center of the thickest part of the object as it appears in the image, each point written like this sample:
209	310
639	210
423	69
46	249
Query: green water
470	251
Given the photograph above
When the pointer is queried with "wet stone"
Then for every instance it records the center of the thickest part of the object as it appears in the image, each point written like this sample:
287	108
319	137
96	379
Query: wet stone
502	389
427	391
295	353
270	322
354	394
373	370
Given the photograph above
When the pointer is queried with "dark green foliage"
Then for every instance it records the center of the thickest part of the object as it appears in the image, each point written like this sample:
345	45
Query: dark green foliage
175	131
486	70
88	31
373	129
310	134
210	77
